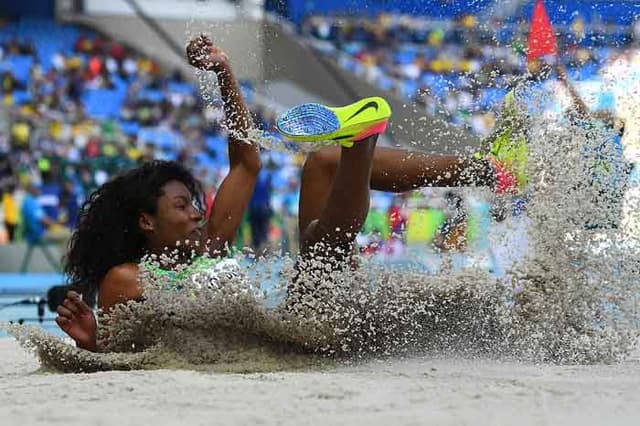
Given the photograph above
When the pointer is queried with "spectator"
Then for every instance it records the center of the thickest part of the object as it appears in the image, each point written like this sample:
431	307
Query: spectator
37	226
50	191
260	210
20	134
405	53
69	204
452	235
38	229
398	216
375	230
290	202
10	211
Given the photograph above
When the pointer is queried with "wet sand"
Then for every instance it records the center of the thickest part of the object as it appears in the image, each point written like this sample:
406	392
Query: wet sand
440	391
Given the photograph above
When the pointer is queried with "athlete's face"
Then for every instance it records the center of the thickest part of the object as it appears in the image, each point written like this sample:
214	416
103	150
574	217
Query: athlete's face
177	219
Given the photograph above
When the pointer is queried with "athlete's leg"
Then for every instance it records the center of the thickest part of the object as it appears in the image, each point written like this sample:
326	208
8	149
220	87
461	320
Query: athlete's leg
393	170
346	198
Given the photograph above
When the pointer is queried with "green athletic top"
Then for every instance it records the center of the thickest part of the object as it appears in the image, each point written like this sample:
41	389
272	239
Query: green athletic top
212	267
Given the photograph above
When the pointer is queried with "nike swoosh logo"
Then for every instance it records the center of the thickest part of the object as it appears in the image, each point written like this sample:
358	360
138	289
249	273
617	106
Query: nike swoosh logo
343	137
372	104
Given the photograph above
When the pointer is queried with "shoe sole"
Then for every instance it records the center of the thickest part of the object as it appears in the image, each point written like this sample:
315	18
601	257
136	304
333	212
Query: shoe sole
315	122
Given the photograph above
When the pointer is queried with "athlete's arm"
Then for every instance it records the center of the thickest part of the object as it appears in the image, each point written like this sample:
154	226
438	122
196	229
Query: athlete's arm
236	189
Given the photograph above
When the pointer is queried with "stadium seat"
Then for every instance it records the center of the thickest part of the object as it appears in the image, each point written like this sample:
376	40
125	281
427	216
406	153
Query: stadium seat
129	127
563	12
103	103
436	83
181	88
588	71
491	97
164	139
21	97
347	63
217	145
152	95
405	56
20	66
505	35
409	89
168	155
384	82
353	48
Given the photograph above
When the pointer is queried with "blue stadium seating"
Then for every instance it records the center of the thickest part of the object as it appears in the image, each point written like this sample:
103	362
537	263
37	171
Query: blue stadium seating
19	66
505	35
181	88
218	145
491	97
437	84
564	12
130	128
21	97
385	83
151	95
409	89
161	138
47	35
353	47
297	10
405	56
103	103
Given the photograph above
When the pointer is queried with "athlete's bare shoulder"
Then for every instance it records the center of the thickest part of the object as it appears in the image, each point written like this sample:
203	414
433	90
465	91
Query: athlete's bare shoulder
119	285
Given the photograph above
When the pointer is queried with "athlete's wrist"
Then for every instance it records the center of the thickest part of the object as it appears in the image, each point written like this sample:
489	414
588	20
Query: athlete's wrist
89	344
223	69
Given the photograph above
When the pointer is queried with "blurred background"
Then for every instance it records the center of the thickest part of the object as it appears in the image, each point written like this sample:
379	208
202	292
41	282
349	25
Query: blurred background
91	88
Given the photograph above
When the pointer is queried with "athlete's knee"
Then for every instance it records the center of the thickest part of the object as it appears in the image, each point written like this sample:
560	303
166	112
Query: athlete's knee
308	235
319	241
324	161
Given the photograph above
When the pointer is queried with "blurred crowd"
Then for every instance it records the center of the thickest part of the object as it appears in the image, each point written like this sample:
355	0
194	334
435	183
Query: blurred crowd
78	107
74	116
460	69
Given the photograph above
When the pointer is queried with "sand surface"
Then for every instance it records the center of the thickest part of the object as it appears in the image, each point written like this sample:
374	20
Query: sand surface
409	391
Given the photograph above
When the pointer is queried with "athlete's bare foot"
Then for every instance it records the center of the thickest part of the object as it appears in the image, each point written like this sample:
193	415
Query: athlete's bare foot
77	320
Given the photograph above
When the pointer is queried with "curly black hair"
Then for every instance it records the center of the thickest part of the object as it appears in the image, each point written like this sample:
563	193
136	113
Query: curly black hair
108	233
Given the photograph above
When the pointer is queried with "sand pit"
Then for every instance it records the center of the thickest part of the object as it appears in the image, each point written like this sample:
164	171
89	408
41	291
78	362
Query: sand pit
410	391
572	300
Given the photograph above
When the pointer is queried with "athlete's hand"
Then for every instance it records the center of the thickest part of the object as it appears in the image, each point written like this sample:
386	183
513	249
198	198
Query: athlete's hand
204	55
77	320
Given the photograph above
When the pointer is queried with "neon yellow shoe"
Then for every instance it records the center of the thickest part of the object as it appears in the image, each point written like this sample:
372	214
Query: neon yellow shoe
348	124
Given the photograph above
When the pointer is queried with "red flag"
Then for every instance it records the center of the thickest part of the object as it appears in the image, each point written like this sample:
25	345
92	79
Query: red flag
542	40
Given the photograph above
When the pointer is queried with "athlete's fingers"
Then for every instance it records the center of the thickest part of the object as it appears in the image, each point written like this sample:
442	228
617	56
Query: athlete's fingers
73	295
78	302
63	322
206	39
64	312
197	43
71	305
